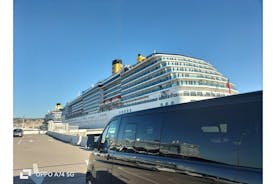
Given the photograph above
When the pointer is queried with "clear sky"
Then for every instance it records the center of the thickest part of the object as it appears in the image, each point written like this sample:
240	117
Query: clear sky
63	47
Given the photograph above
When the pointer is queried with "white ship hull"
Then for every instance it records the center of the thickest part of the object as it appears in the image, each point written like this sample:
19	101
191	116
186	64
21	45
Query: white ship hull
99	120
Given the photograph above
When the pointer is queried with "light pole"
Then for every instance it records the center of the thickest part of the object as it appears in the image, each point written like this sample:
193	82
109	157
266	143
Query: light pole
23	122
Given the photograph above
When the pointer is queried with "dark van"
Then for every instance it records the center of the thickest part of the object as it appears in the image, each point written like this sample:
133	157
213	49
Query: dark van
211	141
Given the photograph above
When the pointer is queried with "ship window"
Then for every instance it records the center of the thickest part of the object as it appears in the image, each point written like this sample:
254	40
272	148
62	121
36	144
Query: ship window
193	93
199	93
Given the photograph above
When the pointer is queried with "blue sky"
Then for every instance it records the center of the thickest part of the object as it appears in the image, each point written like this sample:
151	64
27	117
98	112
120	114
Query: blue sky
63	47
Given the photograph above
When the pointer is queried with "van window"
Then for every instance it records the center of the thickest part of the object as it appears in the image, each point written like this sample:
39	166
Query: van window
109	134
104	135
229	134
126	137
140	134
129	134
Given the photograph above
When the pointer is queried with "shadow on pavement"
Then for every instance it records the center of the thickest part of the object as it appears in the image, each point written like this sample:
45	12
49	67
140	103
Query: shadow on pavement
106	177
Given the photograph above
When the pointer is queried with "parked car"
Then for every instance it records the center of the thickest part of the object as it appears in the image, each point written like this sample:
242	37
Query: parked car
211	141
18	132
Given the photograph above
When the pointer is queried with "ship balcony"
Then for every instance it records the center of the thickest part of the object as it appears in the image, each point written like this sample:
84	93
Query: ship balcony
198	80
142	69
180	71
141	78
173	83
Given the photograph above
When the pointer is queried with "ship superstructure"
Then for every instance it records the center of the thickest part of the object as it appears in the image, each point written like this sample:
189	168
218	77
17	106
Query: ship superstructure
156	80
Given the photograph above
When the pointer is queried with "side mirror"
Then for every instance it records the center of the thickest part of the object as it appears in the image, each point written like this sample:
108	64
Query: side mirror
102	147
90	142
98	143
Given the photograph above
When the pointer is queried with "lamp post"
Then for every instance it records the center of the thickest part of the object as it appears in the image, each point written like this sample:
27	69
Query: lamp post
23	122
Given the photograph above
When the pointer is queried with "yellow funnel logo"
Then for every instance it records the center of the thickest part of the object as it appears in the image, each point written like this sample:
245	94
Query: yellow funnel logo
58	106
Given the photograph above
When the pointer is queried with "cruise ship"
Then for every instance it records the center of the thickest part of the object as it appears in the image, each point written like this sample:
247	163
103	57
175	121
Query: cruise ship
160	79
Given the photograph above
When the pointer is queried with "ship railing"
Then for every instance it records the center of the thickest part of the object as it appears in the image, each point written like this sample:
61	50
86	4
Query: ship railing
130	80
159	72
141	70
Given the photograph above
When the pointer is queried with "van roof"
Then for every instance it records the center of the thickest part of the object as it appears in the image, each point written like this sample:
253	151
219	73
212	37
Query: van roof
233	99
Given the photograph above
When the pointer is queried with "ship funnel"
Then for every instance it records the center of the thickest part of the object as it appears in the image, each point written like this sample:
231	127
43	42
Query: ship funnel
58	106
140	58
116	66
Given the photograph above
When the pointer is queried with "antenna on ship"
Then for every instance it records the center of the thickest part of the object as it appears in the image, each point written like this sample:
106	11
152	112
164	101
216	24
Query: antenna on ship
154	51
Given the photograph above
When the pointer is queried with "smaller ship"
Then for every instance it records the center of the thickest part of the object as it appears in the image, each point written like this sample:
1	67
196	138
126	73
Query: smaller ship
54	116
